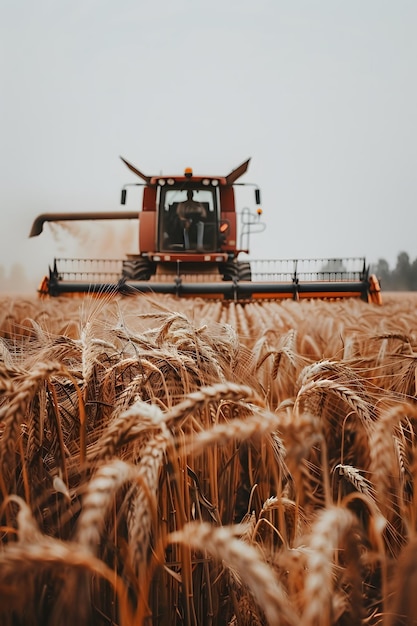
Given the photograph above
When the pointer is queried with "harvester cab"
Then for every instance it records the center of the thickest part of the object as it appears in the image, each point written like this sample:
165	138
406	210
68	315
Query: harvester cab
191	243
190	222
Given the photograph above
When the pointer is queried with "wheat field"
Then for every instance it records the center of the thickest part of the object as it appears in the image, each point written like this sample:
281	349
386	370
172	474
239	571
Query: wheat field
183	462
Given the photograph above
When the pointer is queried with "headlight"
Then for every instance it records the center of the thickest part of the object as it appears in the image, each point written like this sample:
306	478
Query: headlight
161	182
215	183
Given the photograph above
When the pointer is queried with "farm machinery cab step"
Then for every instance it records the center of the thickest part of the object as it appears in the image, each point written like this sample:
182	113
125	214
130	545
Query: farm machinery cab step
191	243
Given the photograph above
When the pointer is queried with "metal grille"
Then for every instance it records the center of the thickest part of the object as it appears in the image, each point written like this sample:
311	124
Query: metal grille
288	270
89	270
282	270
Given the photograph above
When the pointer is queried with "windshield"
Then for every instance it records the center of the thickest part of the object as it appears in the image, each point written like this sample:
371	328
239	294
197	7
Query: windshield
188	219
171	196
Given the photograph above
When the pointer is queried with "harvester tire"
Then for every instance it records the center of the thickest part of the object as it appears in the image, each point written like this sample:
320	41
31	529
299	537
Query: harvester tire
137	269
229	270
244	270
236	270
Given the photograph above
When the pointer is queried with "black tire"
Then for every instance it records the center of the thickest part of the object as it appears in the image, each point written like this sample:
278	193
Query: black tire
137	269
236	270
228	270
244	271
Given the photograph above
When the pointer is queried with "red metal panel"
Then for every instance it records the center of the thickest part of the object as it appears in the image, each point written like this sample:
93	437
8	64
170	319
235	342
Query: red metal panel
149	199
147	231
227	199
231	243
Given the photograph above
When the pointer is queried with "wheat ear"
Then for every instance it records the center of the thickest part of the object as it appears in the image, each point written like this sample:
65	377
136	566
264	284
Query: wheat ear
214	393
384	459
97	500
13	412
223	544
328	531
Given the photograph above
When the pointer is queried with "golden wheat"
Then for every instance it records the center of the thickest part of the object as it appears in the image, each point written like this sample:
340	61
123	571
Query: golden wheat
190	463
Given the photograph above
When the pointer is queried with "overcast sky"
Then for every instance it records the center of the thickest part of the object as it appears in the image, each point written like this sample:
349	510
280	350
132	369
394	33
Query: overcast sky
322	94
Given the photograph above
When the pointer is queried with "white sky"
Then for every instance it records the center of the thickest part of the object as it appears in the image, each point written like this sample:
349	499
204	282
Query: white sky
322	94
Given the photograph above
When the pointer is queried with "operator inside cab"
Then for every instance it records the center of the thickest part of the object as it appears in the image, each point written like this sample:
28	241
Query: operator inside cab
191	215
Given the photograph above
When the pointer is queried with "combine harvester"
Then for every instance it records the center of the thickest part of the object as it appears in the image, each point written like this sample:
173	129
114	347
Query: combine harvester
188	246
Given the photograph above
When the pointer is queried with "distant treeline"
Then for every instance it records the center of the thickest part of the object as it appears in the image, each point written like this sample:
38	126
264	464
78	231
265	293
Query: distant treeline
402	278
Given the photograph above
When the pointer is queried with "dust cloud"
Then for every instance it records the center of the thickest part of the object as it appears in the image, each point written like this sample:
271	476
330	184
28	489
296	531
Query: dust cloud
99	239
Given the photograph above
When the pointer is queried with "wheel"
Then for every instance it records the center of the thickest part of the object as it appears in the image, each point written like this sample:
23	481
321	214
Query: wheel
229	270
236	270
244	271
137	269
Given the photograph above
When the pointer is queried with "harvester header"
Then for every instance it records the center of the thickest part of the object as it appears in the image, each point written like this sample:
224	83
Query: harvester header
194	241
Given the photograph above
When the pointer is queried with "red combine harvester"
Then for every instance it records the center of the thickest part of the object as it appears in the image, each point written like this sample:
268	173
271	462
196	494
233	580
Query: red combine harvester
188	246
